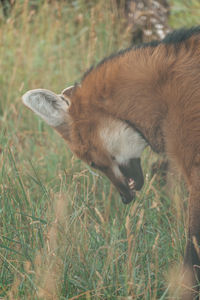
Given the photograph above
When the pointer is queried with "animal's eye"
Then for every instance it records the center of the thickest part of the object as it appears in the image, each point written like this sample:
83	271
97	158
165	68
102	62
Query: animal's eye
100	168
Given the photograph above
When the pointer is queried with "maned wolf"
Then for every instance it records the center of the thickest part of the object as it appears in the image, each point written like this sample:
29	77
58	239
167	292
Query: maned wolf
144	95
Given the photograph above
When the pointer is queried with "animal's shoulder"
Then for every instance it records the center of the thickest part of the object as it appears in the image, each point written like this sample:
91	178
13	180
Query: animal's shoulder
175	38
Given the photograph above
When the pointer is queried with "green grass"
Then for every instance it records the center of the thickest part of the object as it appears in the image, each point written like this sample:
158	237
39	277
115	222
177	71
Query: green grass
185	13
64	232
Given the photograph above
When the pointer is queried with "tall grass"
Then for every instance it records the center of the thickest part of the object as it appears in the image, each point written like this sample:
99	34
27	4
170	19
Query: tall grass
185	13
64	233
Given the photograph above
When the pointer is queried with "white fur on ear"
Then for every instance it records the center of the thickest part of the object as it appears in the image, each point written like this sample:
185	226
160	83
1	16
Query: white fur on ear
68	91
49	106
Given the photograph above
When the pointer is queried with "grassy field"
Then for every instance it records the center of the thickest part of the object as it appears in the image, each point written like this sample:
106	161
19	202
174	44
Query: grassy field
64	232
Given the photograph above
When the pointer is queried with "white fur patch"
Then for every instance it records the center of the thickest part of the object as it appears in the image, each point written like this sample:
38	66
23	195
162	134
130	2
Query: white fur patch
49	106
122	141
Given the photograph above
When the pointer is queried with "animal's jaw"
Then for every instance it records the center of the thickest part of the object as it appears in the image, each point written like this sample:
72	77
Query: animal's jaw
131	180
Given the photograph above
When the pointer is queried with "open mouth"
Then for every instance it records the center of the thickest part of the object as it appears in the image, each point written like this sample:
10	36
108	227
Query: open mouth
131	184
134	180
127	193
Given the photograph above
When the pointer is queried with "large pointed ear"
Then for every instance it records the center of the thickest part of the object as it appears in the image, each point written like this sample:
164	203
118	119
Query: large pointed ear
68	92
50	107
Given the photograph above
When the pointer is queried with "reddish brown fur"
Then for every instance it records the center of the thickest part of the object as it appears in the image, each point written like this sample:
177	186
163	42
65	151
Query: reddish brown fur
164	88
157	89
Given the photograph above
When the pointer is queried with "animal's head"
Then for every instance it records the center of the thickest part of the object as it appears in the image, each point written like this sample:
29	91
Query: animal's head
95	136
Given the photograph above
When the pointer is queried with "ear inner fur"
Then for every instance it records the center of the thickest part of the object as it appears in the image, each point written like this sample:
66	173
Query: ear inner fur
49	106
68	91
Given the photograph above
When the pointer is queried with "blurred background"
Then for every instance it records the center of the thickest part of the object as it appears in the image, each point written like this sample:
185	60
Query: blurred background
64	233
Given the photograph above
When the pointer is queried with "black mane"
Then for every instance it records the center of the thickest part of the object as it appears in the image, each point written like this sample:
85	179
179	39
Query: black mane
174	38
180	35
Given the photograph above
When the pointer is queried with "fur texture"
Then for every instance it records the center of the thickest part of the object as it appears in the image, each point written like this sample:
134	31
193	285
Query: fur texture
143	95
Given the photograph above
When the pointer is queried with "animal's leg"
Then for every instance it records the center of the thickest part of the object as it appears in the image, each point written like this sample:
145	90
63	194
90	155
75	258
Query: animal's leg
192	254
